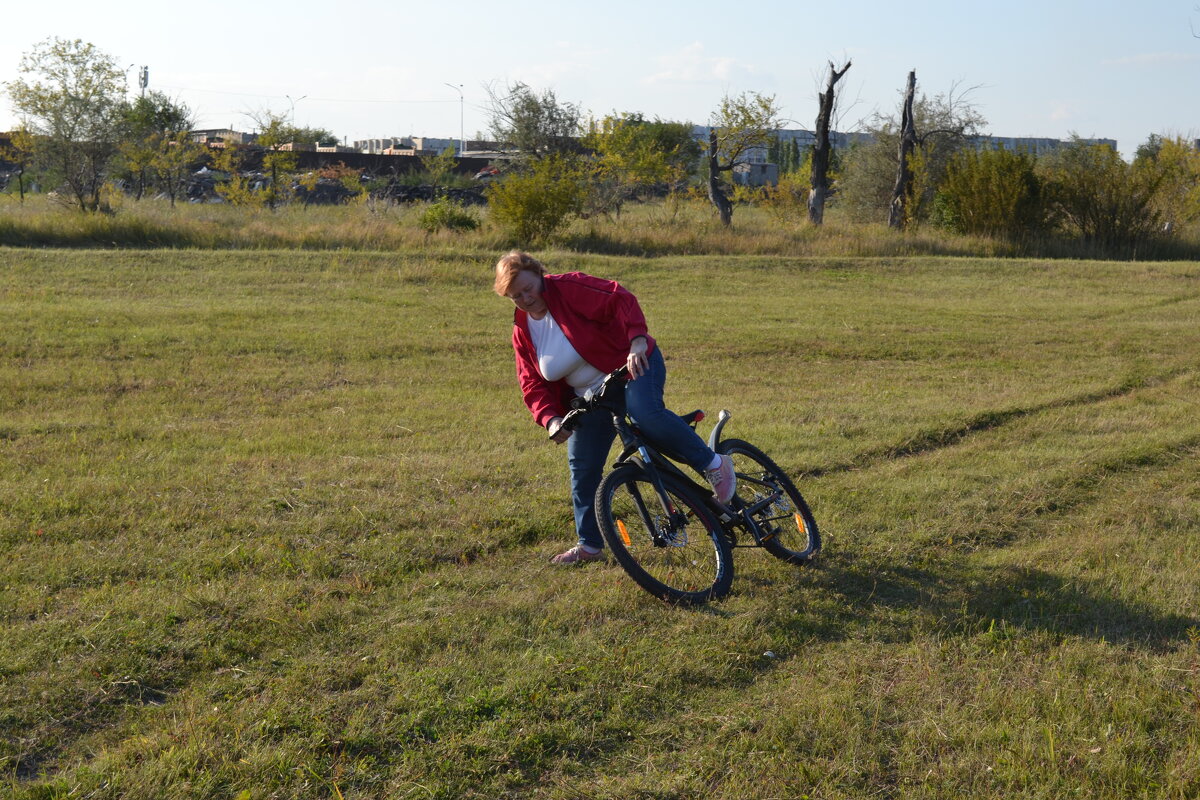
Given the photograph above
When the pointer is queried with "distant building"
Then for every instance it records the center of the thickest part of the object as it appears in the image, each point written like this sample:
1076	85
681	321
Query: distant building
429	145
837	139
220	137
404	146
757	174
437	146
377	146
1033	145
756	168
407	151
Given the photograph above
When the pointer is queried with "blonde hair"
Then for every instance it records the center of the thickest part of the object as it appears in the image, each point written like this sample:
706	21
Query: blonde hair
511	265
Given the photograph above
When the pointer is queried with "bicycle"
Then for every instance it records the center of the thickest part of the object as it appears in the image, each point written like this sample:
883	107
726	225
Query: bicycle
652	514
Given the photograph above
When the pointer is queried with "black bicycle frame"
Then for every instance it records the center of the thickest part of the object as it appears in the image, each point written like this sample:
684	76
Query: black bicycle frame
654	463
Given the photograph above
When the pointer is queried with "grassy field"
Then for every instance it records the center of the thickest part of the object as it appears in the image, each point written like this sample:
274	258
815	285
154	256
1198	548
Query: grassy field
275	524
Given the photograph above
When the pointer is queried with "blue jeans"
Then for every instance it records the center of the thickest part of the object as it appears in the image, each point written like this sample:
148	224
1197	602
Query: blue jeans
587	449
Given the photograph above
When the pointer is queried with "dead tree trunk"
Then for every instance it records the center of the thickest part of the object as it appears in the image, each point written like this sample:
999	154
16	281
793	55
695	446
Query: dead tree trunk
821	150
908	143
715	193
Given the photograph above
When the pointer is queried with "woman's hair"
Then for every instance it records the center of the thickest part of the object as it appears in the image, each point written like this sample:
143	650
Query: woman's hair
512	264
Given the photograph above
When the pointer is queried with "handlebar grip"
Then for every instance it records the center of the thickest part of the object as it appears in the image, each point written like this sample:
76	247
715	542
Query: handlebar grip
569	423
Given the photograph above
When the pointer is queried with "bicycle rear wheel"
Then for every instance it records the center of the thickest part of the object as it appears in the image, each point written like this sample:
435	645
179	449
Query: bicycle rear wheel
787	528
679	553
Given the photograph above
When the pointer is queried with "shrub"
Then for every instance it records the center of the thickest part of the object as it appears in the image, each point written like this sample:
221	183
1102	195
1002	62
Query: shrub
445	213
1100	198
787	200
532	204
1178	197
991	193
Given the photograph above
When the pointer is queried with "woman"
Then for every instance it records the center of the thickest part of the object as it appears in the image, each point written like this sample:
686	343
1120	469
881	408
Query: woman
569	332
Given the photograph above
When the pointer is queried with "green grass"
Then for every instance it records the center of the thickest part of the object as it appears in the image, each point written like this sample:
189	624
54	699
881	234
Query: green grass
276	524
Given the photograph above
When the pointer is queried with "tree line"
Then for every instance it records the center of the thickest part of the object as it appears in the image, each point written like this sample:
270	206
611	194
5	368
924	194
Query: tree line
918	166
81	133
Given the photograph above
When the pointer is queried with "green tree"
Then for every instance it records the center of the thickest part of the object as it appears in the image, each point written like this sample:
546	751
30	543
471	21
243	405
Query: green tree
440	167
237	187
176	157
535	125
311	136
632	154
1150	148
739	126
19	153
72	98
151	125
277	138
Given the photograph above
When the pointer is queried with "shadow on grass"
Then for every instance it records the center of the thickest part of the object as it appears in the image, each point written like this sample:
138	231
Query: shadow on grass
900	602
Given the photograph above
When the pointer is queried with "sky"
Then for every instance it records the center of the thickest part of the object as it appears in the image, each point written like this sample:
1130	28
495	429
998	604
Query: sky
372	69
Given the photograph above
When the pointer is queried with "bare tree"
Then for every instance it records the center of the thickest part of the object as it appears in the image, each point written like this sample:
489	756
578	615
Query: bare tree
908	143
821	149
941	124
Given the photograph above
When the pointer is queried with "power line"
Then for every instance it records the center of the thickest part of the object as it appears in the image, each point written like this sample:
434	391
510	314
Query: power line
284	97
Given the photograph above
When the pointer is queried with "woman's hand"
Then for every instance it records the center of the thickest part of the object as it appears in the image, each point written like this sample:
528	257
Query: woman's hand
637	361
557	432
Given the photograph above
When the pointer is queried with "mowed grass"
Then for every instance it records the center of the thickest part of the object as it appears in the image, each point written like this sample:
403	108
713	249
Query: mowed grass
275	524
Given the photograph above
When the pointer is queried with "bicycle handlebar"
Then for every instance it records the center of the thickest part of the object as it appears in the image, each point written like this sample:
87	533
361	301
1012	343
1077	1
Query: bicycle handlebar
587	403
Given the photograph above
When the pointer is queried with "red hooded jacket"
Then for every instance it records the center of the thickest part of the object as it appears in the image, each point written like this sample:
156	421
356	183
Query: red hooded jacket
599	318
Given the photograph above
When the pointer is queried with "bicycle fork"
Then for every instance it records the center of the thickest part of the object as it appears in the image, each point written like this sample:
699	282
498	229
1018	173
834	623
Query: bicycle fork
676	521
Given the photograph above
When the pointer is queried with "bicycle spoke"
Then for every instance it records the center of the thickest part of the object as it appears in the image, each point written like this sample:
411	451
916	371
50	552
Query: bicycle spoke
678	554
771	505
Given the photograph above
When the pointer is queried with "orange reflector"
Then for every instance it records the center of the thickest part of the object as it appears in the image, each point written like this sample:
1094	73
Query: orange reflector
800	524
624	533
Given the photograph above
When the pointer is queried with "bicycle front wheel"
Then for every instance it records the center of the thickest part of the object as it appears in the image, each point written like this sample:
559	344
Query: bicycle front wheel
672	546
786	527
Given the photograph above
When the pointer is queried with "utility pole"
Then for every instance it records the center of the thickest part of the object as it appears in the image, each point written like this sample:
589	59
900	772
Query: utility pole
143	79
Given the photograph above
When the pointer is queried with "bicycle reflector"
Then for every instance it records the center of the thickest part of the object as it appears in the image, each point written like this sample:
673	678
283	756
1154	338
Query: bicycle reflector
800	524
621	529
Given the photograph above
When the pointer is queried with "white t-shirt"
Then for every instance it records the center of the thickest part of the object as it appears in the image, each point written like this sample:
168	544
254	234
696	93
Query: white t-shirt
558	359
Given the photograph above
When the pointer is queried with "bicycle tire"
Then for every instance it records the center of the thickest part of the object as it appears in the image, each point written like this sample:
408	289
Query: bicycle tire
789	531
670	562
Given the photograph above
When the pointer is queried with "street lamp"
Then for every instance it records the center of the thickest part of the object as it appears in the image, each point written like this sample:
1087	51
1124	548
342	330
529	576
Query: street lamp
461	141
293	102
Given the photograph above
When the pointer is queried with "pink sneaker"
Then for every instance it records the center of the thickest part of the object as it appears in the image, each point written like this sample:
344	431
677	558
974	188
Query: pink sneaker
577	555
723	480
